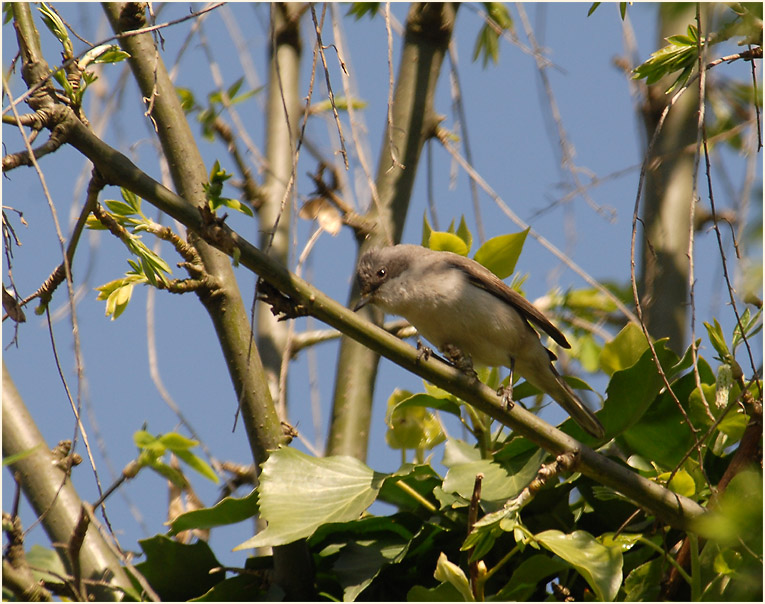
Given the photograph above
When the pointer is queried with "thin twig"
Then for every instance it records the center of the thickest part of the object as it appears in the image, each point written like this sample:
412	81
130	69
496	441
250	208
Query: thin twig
356	129
127	34
567	148
393	151
459	108
331	95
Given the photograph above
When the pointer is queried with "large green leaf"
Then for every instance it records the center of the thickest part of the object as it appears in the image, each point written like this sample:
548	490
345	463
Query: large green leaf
632	390
601	566
227	511
500	254
298	493
178	572
624	350
499	483
525	579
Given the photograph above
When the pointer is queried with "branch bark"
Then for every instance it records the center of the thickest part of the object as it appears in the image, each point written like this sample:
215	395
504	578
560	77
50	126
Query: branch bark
667	199
282	113
54	497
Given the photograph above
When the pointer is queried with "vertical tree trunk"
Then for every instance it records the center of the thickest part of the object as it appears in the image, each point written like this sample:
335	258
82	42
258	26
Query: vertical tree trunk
667	199
281	139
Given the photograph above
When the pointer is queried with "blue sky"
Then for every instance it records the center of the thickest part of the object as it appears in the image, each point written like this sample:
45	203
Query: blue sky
515	149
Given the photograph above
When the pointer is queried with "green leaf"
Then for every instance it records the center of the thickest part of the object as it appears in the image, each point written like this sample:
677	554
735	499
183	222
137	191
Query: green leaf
448	572
646	416
146	440
426	230
411	426
738	515
593	6
448	242
624	350
105	53
463	232
500	482
229	510
177	442
444	592
197	463
717	338
298	493
487	42
500	254
527	576
56	26
643	584
431	402
179	572
341	104
682	483
601	566
359	9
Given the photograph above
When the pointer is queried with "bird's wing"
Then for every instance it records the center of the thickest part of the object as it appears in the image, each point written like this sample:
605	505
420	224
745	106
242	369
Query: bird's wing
482	277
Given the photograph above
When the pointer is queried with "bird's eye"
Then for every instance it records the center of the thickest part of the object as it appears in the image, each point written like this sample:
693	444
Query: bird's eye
381	272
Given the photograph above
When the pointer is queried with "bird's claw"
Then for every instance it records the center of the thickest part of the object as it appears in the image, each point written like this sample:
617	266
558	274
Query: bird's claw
423	352
460	360
506	394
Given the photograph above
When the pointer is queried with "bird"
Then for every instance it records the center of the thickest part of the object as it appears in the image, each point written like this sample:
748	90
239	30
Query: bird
470	315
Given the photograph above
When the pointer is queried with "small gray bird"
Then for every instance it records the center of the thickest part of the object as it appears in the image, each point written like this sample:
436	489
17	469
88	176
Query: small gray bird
462	307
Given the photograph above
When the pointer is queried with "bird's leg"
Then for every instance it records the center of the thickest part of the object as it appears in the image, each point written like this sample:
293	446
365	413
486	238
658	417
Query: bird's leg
423	352
460	360
506	392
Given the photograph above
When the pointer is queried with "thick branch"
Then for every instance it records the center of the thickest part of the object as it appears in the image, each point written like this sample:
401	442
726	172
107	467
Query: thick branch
50	493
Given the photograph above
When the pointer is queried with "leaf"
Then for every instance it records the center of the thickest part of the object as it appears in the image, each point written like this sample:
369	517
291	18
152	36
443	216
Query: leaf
359	9
298	493
448	242
448	572
411	426
341	104
527	576
500	482
738	514
431	402
179	572
56	26
229	510
198	464
360	562
643	584
500	254
601	566
464	233
105	53
624	350
176	442
426	230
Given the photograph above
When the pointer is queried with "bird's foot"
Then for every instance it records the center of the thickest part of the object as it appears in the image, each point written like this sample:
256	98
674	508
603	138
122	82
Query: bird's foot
460	360
506	394
423	352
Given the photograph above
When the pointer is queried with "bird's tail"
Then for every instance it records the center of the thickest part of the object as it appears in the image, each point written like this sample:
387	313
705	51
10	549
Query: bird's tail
574	406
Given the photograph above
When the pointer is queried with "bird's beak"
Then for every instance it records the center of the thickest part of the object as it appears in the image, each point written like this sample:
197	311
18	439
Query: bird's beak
363	301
